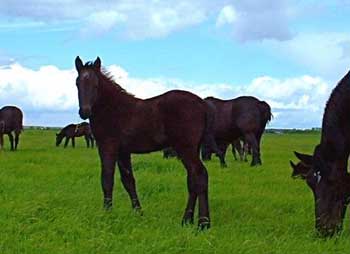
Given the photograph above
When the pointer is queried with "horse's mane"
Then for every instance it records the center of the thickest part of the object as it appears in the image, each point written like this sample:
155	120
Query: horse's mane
335	104
106	76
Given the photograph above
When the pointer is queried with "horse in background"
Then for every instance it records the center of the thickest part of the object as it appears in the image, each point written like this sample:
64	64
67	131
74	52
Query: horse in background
245	117
11	121
71	131
238	146
326	170
123	124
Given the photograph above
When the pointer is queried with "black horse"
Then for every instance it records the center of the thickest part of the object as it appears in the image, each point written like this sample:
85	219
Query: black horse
11	121
123	124
326	171
245	117
72	131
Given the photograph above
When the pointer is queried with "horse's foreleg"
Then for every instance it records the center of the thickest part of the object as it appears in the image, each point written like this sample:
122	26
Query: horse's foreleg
73	142
128	180
16	139
66	142
87	140
197	183
11	141
108	154
92	142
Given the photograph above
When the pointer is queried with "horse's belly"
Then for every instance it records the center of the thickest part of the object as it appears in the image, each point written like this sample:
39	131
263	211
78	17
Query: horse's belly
145	143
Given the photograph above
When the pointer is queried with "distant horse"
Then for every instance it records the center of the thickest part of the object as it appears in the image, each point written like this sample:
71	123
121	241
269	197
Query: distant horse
237	147
123	124
244	117
326	170
11	120
72	131
169	153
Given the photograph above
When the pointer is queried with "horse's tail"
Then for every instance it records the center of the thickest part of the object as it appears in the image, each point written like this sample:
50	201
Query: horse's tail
265	111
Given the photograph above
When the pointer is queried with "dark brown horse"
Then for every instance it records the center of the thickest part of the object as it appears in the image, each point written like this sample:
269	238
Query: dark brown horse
11	121
237	147
123	124
244	117
71	131
327	174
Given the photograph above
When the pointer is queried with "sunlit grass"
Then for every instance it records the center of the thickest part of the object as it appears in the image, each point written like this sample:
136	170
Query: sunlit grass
51	202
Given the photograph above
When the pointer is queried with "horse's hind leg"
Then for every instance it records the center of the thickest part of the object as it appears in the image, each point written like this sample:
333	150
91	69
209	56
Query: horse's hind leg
128	180
1	141
213	146
251	139
197	182
11	141
16	138
87	141
236	145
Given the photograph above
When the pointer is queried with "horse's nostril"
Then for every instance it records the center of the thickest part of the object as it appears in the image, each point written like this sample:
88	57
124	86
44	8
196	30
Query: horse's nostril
85	113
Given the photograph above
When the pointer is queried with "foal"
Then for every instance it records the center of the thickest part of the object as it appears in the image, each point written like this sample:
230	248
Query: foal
123	124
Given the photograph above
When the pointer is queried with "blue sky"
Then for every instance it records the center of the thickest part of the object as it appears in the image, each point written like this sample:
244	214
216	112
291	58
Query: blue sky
290	53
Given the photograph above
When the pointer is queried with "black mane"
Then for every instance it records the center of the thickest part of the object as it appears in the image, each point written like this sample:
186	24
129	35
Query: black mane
106	76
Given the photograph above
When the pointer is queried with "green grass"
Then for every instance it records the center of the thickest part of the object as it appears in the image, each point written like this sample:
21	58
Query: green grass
51	202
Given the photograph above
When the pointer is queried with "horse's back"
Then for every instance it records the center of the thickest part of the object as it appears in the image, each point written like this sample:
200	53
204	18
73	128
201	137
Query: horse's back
12	118
182	116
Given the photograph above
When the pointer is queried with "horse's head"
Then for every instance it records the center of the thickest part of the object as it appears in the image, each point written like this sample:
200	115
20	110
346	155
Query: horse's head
87	83
59	139
330	192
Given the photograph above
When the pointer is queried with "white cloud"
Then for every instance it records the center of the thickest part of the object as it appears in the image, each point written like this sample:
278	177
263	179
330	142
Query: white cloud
296	102
253	20
227	15
139	19
102	22
326	53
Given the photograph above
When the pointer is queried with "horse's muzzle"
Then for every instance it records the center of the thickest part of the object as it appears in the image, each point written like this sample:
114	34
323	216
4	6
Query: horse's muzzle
85	113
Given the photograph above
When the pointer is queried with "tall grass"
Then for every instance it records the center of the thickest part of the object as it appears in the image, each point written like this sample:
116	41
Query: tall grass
51	202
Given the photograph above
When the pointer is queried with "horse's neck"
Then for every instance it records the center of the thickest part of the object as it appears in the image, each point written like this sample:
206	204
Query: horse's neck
114	98
336	122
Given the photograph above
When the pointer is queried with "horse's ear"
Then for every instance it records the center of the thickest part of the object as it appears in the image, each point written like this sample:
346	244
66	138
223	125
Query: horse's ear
78	63
97	63
300	170
305	158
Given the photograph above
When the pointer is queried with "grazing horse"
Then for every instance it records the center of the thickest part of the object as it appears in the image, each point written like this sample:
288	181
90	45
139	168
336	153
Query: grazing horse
244	117
11	120
169	153
237	147
325	171
72	131
123	124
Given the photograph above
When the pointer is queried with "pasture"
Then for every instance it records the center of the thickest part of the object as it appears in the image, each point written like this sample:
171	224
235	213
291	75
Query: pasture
51	202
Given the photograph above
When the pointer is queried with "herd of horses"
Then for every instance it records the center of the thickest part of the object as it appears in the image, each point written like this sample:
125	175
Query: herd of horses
184	125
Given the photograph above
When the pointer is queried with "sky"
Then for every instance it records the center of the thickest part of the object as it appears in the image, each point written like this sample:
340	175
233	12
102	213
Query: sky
290	53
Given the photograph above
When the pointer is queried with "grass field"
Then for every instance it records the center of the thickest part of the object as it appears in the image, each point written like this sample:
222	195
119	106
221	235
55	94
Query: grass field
51	202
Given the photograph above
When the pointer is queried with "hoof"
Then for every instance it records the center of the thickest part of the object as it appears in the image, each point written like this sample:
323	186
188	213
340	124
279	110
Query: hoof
107	204
255	164
203	223
223	165
138	210
188	218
